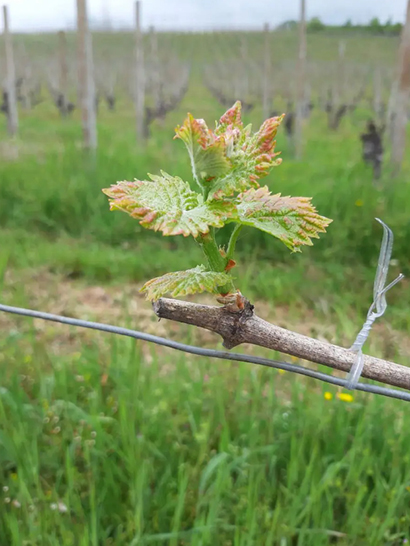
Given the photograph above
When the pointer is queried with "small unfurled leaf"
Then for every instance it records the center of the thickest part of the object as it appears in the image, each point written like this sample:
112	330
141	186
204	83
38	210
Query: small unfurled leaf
205	149
293	220
252	155
232	117
261	147
229	159
167	204
181	283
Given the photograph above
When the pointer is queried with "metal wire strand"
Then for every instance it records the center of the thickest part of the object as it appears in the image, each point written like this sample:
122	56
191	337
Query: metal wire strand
379	303
209	353
383	265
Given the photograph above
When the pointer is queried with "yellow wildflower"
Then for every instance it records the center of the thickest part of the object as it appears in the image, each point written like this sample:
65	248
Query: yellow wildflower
345	397
359	203
328	395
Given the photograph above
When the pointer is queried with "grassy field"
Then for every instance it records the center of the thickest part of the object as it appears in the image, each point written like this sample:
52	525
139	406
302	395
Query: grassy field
107	441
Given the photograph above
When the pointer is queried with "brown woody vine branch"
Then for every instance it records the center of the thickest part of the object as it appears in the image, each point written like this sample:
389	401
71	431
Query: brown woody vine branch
245	326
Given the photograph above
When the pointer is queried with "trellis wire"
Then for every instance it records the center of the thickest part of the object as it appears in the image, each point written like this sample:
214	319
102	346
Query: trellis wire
210	353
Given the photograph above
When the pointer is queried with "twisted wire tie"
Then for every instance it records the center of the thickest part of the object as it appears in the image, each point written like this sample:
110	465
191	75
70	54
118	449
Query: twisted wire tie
379	303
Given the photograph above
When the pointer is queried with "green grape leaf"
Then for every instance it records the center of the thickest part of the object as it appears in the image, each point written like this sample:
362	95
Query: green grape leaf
181	283
229	159
206	151
167	204
293	220
252	155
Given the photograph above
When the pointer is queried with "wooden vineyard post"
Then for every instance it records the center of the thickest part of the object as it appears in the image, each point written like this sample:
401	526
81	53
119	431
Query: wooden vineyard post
26	73
340	82
244	75
300	79
266	105
154	68
139	75
63	71
377	93
86	78
10	88
401	98
390	109
338	95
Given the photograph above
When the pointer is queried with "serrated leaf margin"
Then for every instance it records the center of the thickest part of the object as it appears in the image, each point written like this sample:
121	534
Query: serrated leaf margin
177	283
293	220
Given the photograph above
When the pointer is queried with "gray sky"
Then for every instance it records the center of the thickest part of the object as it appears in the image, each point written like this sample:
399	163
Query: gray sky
28	15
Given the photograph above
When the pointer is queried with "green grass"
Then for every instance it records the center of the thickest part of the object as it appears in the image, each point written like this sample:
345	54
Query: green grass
145	447
141	445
